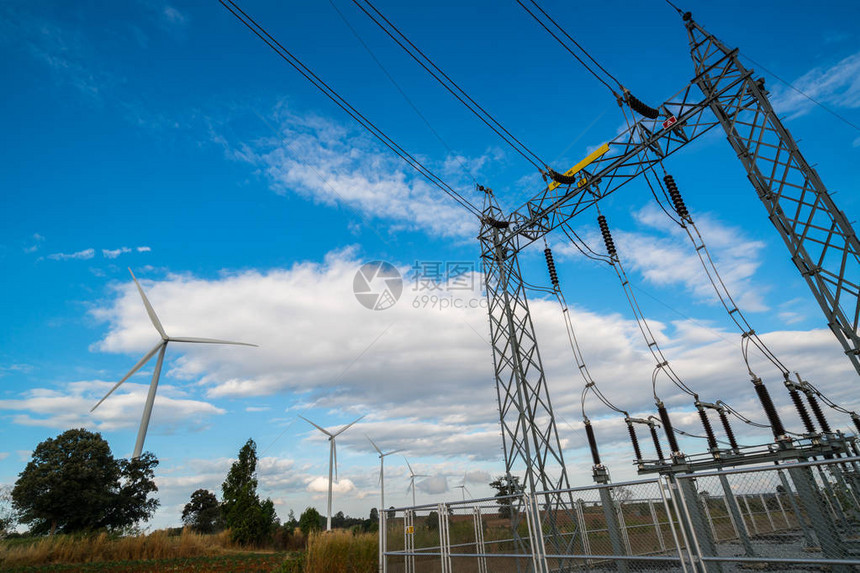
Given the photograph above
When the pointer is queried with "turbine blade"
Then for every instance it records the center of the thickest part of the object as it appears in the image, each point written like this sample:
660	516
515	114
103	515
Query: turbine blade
137	367
149	310
375	447
345	428
323	430
467	491
408	464
334	450
150	400
391	452
208	341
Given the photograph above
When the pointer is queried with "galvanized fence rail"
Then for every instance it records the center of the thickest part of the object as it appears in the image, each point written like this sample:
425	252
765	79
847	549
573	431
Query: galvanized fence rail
787	517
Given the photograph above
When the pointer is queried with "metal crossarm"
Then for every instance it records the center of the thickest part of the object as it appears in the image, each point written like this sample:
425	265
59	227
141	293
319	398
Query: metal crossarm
641	146
820	239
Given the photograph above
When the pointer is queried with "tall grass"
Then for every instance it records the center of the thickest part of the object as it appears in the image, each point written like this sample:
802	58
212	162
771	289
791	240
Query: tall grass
102	547
342	552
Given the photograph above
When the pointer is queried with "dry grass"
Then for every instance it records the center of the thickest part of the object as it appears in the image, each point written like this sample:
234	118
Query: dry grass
102	547
342	552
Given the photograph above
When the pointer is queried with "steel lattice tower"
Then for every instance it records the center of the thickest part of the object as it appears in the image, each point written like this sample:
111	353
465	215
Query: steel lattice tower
819	237
723	93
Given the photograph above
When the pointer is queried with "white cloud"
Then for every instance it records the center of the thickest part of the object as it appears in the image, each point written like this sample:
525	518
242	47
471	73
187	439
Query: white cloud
80	255
663	254
114	253
174	16
433	485
320	485
4	455
837	85
70	405
333	165
37	242
424	377
143	249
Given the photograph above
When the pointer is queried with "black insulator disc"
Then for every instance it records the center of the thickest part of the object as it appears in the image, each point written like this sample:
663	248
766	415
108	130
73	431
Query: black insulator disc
667	427
592	443
770	411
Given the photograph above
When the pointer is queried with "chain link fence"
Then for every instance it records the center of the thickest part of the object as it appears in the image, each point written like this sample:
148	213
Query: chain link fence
790	517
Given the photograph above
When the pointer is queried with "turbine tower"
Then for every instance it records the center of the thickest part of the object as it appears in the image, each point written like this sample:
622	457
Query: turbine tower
161	347
332	458
412	476
382	530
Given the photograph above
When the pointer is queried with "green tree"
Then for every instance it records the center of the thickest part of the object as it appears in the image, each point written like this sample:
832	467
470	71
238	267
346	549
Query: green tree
310	520
249	519
8	515
506	486
203	513
73	483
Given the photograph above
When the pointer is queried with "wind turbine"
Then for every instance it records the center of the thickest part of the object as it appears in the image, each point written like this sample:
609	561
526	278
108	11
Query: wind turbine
463	487
412	476
160	348
332	458
382	531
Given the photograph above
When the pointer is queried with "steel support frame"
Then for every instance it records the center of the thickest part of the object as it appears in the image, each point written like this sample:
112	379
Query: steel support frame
820	239
532	448
818	235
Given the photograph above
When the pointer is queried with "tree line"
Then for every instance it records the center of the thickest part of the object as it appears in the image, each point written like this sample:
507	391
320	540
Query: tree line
73	484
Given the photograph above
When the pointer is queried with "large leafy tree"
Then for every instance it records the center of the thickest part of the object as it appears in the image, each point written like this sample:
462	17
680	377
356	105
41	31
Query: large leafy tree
203	512
73	483
249	519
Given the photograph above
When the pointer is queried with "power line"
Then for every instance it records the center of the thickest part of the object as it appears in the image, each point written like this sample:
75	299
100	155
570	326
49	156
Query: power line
321	85
425	62
402	93
804	94
566	47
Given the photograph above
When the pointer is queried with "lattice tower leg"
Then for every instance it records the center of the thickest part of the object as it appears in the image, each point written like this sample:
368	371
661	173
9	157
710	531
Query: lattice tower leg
819	236
532	448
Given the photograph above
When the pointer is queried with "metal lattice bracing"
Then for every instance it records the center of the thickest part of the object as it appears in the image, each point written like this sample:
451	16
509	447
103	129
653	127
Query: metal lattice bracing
532	448
528	426
819	237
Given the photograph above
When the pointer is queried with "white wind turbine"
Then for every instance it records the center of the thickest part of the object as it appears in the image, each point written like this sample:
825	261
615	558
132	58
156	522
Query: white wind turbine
463	487
332	458
160	348
412	476
382	531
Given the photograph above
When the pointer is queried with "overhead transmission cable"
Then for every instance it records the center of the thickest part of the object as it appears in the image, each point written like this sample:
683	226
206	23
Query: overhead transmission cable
557	31
403	93
341	102
748	334
662	364
449	84
589	383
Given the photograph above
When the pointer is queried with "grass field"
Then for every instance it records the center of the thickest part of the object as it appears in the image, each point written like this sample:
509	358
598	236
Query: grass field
334	552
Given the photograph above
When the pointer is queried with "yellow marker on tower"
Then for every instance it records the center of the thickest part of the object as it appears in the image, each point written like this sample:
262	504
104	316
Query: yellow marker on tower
596	154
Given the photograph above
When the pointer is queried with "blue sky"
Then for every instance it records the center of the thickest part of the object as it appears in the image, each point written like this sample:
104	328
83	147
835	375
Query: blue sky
166	138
